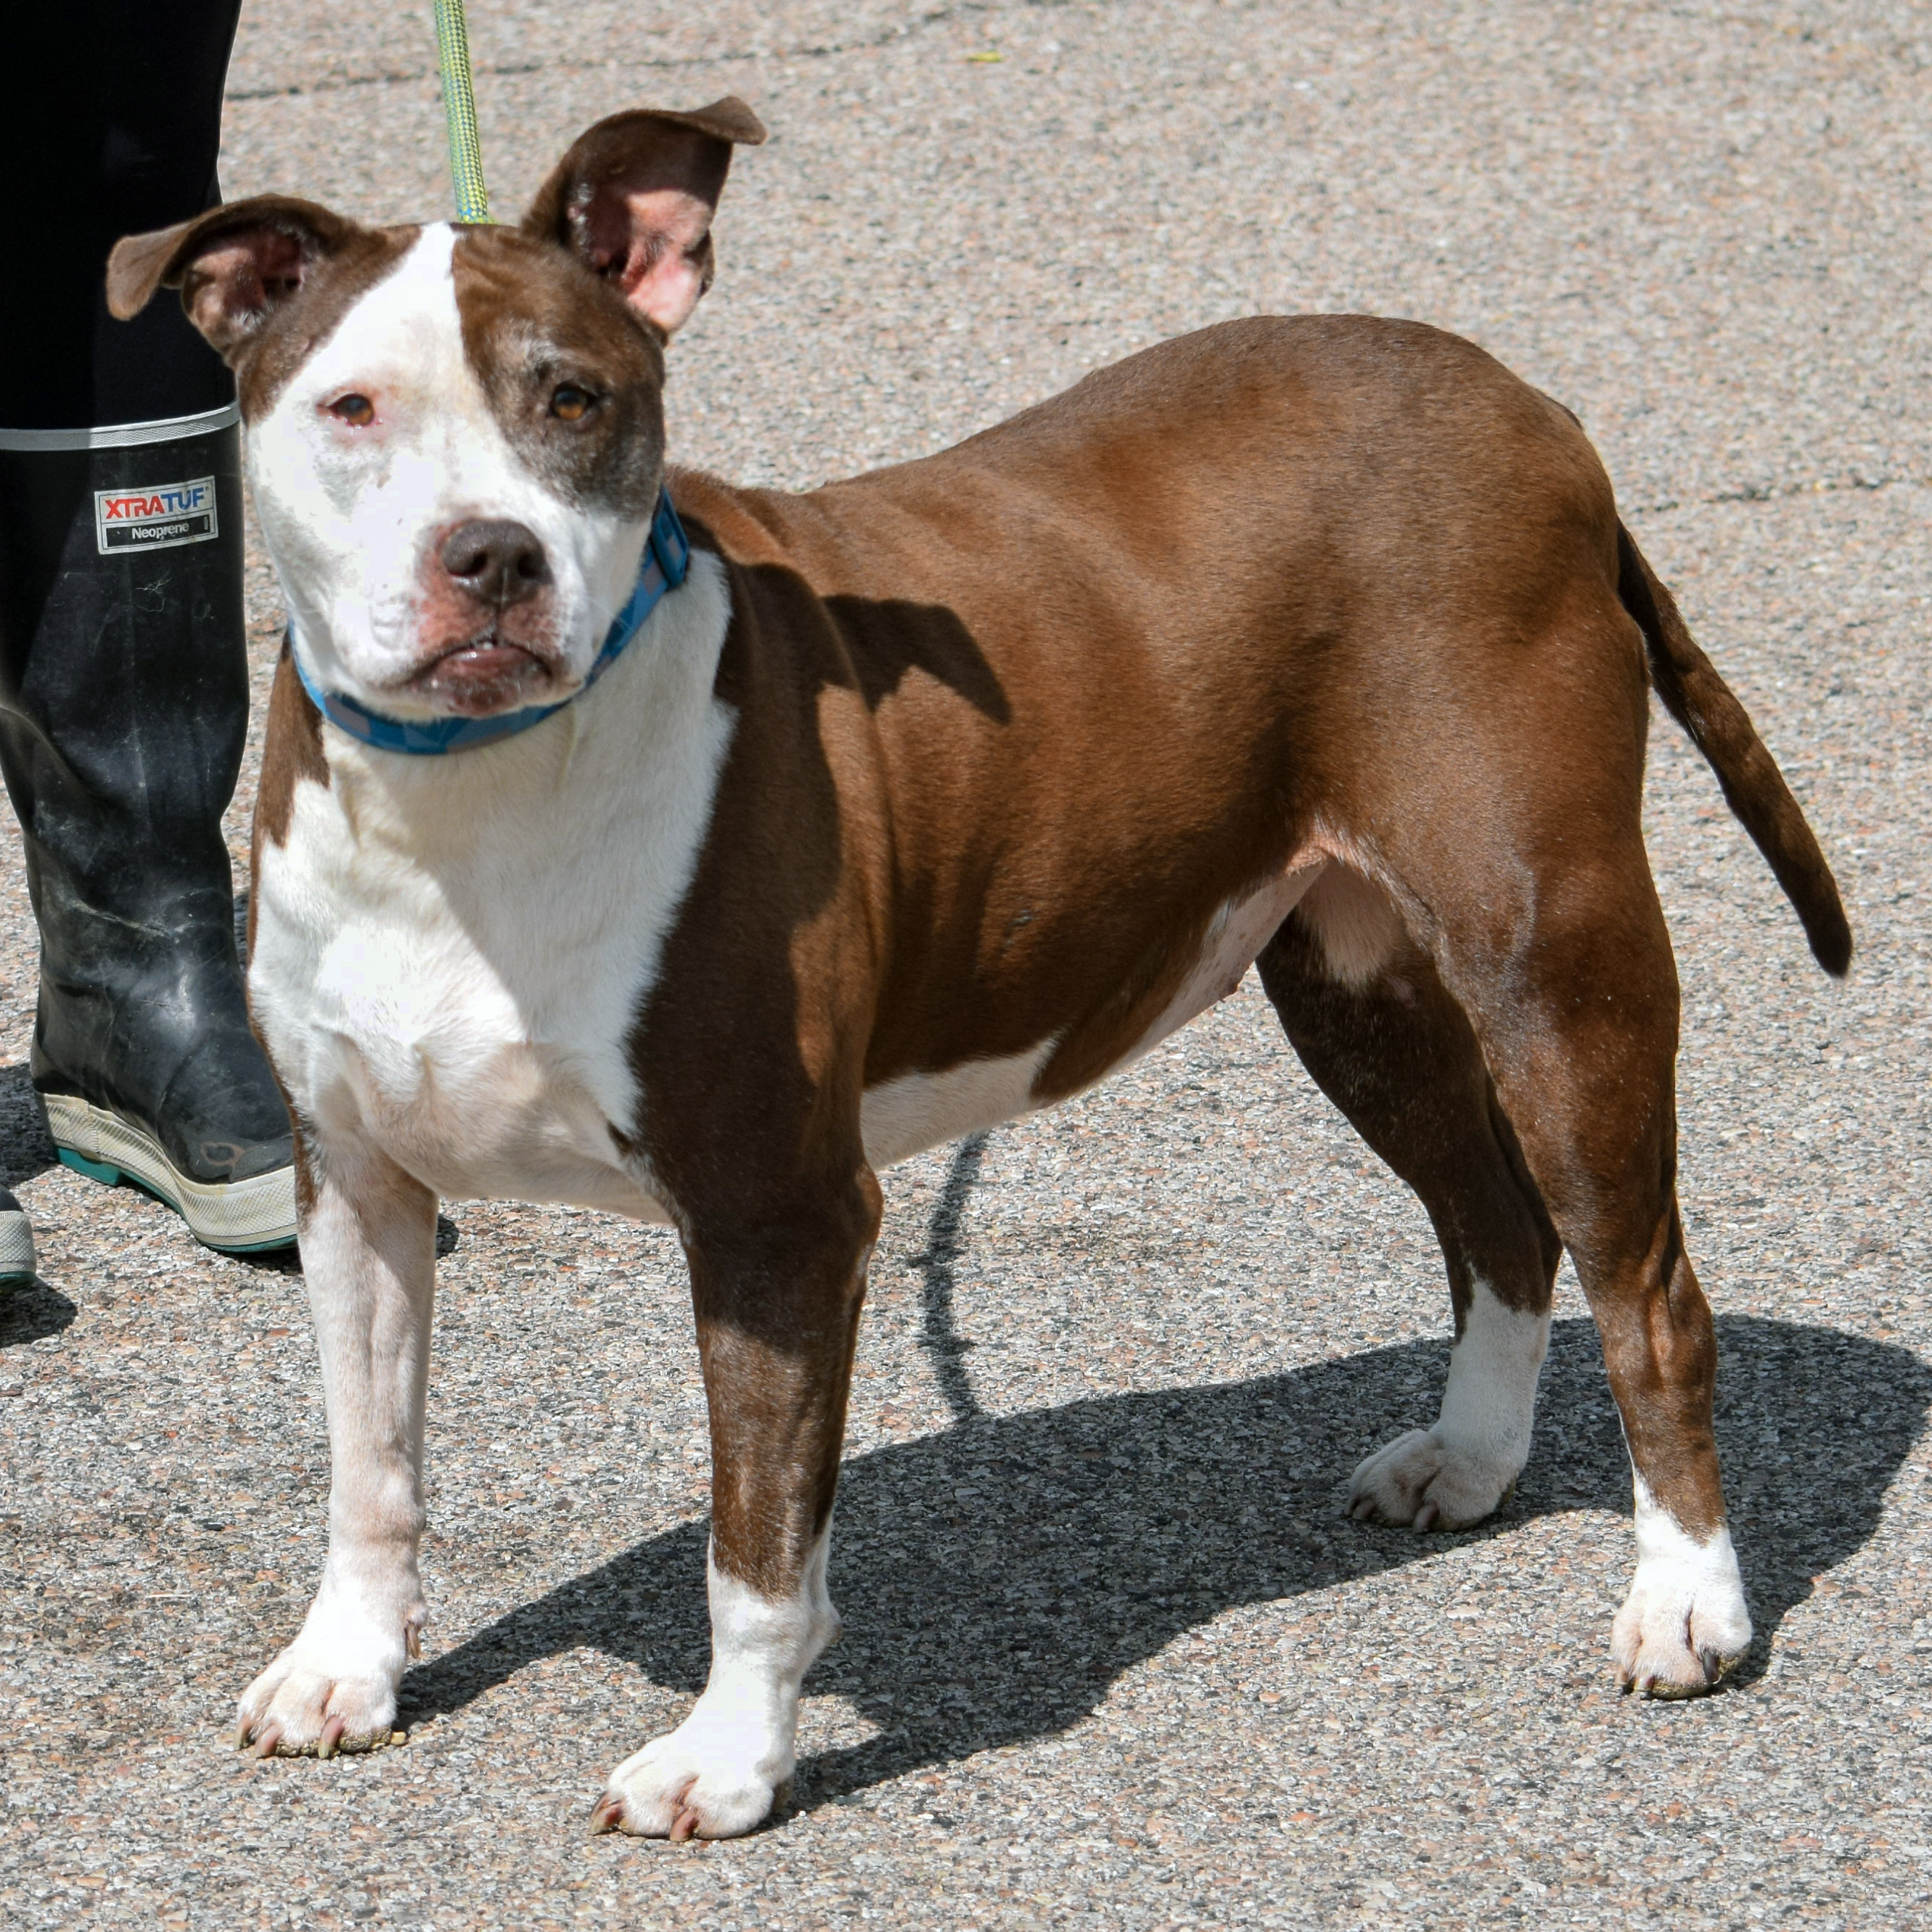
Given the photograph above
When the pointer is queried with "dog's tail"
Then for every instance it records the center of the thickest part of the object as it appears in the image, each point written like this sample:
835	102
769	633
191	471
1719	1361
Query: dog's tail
1719	726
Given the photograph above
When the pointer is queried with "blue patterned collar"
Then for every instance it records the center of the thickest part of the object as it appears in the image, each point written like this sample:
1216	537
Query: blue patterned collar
666	559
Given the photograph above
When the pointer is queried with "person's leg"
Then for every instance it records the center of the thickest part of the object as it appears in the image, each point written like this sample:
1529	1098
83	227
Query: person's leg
123	671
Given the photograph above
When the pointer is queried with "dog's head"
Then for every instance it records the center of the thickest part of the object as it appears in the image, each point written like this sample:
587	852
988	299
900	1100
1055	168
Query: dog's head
455	435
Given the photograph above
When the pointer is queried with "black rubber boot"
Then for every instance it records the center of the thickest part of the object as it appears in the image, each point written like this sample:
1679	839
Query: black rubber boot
123	702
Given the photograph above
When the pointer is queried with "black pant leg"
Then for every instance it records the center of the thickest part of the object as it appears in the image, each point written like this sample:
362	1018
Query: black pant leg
112	126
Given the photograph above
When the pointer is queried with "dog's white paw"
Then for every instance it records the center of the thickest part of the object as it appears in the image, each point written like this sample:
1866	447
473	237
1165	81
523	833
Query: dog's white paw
1685	1623
716	1776
1455	1474
334	1689
296	1707
1419	1479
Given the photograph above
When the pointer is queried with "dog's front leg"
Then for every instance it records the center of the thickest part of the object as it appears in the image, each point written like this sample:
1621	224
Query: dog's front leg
777	1316
368	1251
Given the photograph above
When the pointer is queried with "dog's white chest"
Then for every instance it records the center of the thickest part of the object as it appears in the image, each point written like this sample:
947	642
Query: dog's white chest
448	1039
452	953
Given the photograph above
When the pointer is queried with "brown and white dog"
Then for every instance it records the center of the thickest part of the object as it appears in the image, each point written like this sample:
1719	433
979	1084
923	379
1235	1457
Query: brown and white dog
931	797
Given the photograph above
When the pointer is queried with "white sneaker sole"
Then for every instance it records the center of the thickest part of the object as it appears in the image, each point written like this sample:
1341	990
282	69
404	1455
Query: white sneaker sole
239	1217
16	1247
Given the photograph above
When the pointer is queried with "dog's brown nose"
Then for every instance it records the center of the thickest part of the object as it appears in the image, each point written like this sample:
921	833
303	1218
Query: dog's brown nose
497	561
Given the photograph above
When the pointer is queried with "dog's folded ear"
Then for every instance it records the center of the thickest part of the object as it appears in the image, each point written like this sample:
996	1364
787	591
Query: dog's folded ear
634	197
234	265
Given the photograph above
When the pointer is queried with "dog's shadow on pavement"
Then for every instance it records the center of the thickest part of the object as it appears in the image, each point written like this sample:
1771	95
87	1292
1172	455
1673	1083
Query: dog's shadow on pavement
997	1579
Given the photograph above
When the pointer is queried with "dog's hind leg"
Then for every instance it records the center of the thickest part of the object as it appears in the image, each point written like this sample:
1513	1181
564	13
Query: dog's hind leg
1548	933
1366	1010
368	1251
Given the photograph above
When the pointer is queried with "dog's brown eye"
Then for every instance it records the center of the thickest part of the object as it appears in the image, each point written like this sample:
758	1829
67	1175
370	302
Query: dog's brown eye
569	403
356	411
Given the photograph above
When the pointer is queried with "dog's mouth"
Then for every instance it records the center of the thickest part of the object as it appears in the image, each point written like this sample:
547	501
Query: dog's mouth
485	675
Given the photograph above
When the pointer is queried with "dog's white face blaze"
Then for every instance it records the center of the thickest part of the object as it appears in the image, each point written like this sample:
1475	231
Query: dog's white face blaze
354	515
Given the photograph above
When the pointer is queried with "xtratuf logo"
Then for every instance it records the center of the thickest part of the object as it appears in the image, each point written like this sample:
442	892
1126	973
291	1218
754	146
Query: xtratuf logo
155	517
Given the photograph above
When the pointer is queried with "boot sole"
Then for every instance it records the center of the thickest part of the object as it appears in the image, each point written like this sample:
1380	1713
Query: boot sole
238	1217
17	1260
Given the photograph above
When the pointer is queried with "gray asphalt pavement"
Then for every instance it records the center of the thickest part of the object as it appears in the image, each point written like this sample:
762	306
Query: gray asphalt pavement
1114	1657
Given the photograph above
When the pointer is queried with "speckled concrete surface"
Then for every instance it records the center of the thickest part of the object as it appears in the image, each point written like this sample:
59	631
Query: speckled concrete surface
1114	1657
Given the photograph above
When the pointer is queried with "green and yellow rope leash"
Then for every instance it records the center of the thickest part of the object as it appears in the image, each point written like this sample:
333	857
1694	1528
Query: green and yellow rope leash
459	107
